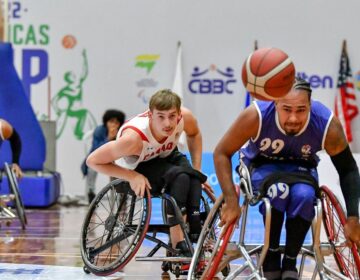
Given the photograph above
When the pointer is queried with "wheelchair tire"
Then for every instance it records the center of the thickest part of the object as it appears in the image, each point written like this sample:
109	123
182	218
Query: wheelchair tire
334	219
204	248
114	228
14	189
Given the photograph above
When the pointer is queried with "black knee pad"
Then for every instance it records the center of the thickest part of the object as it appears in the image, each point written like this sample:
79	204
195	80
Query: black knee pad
194	196
171	212
170	209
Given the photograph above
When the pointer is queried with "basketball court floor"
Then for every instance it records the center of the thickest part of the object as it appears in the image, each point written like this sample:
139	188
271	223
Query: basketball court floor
49	248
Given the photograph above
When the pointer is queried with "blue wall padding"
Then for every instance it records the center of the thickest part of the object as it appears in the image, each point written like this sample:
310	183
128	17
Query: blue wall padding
36	191
16	108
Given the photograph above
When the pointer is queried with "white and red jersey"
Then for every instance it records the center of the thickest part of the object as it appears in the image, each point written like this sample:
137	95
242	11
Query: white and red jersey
151	147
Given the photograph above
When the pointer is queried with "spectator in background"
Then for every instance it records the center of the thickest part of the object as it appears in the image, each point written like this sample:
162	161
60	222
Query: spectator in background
112	121
7	132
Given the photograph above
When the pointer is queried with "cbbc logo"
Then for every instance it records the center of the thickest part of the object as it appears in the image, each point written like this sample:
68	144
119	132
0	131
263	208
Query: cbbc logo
216	81
317	81
201	83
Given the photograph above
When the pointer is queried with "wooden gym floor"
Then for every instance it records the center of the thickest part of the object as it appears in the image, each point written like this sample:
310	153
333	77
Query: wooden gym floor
49	249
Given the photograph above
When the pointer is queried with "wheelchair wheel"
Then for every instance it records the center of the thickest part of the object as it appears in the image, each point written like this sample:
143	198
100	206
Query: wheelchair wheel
14	189
208	245
334	219
114	228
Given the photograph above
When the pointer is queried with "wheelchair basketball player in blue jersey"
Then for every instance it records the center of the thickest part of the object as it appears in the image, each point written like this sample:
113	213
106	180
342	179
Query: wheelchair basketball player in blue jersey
283	138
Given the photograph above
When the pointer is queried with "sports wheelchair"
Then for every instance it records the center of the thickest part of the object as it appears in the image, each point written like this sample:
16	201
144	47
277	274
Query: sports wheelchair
12	200
213	253
117	223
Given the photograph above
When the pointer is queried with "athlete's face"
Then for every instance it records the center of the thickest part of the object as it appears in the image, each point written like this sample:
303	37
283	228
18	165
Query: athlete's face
293	111
163	123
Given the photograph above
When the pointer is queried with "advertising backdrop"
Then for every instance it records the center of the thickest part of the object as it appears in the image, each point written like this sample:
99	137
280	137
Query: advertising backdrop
77	58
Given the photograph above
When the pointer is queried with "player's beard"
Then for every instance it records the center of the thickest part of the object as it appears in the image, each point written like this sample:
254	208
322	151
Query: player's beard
293	129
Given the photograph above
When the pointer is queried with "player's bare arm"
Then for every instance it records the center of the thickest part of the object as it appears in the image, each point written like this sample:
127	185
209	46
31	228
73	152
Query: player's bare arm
335	141
244	128
7	129
193	137
102	160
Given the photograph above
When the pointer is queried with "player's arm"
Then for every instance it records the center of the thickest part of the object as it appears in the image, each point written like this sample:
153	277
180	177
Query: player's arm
338	148
245	126
193	137
9	133
102	160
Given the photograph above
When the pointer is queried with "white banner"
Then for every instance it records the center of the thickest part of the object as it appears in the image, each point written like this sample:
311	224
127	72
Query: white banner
115	54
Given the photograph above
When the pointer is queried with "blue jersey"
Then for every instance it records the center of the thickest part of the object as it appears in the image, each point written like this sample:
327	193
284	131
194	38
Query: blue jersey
272	143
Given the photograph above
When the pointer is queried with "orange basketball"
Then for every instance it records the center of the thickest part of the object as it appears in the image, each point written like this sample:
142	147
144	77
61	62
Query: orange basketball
268	74
69	41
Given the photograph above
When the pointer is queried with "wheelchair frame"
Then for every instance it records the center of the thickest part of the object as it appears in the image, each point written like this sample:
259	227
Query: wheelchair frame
127	220
223	252
6	212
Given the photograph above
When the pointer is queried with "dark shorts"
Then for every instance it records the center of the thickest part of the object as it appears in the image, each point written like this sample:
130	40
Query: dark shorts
155	169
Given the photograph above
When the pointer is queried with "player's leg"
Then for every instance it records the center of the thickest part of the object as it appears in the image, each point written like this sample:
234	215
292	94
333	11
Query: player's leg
300	213
90	184
179	190
193	208
278	195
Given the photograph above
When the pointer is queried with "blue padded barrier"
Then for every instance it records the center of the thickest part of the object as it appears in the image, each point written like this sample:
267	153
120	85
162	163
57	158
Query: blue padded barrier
16	108
36	191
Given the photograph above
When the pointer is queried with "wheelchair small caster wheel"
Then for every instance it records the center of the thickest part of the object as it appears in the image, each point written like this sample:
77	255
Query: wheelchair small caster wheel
226	271
86	270
165	266
165	276
177	271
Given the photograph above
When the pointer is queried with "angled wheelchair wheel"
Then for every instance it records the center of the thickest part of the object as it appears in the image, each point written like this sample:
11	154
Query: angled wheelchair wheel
114	228
14	189
334	219
210	247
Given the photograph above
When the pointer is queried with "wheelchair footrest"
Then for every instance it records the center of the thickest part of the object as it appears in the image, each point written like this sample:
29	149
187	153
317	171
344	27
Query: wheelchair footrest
163	228
162	259
6	214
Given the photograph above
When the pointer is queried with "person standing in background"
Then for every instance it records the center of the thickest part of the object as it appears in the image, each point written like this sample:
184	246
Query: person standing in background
112	121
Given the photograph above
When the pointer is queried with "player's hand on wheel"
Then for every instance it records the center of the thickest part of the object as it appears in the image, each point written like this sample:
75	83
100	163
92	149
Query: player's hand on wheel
207	186
352	231
230	213
138	183
17	170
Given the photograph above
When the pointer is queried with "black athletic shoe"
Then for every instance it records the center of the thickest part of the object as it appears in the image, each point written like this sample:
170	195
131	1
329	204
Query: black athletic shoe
183	249
271	265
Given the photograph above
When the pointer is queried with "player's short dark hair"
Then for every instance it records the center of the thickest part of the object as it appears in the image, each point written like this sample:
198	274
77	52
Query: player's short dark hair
300	83
113	114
